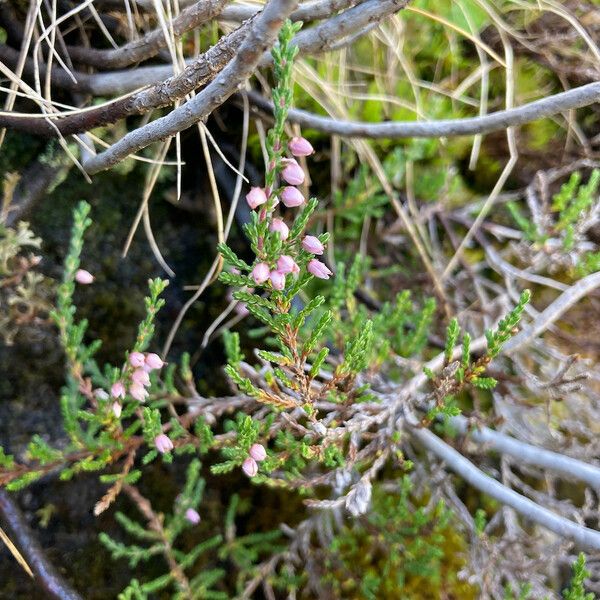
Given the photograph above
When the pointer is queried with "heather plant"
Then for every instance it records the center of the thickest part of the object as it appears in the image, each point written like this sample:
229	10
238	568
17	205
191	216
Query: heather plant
559	230
326	407
24	293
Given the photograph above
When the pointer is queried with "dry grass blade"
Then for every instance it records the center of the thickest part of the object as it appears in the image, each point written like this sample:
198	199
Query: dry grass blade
15	552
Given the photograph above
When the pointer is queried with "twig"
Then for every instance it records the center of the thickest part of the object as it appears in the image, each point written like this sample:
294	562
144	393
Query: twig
166	87
155	522
151	43
309	11
46	576
527	453
261	36
546	107
584	536
553	312
320	38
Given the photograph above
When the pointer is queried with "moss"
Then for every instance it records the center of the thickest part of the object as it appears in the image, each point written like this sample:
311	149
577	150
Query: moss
399	550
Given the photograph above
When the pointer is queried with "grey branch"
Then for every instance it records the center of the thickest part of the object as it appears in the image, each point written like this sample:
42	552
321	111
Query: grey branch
309	11
198	72
553	312
149	44
546	107
323	36
191	17
584	537
571	468
46	576
261	36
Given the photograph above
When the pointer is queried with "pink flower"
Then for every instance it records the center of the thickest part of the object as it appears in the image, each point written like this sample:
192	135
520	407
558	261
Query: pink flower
140	377
154	361
84	277
255	197
318	269
278	226
192	516
101	394
117	390
117	408
286	264
163	443
312	244
292	196
300	146
257	452
137	359
260	273
138	391
277	280
292	172
250	467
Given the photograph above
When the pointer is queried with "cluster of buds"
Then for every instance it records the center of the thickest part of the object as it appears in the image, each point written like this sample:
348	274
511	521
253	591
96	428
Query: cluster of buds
256	454
137	373
276	270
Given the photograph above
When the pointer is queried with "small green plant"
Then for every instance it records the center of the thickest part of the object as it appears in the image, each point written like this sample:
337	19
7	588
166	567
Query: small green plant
457	374
576	589
571	213
24	293
159	537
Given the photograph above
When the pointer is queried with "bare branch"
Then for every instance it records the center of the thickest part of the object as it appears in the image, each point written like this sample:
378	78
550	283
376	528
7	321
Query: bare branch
532	455
149	44
199	72
310	11
46	576
260	37
553	312
583	536
545	107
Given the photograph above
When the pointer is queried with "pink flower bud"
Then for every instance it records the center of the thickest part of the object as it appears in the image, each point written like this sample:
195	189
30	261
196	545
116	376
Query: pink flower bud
192	516
84	277
154	361
312	244
300	146
101	394
117	408
250	467
255	197
292	172
277	280
318	269
286	264
257	452
137	359
260	273
163	443
292	196
117	390
140	377
278	226
138	391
